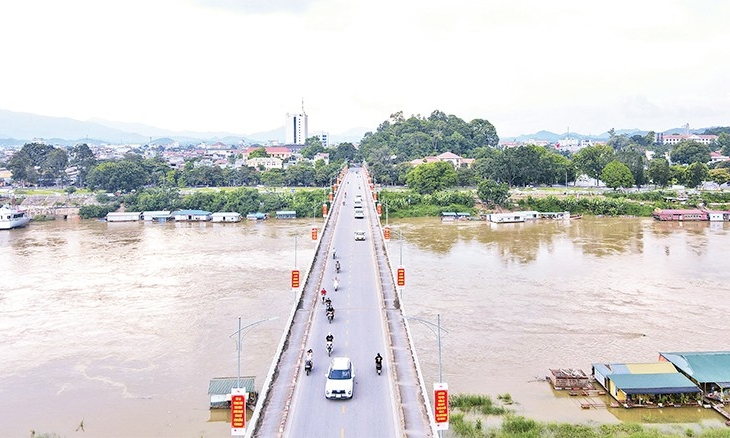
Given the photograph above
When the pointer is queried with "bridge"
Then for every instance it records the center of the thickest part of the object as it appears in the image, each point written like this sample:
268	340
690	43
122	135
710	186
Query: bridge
368	320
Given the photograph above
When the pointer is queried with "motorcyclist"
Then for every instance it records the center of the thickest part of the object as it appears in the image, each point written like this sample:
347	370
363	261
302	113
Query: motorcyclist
334	253
309	356
336	283
378	361
337	266
328	303
323	292
329	337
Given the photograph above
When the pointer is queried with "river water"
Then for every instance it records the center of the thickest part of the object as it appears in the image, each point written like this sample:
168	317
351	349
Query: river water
121	326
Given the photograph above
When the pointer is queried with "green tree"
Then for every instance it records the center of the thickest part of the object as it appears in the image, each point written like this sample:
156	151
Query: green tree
313	146
273	178
113	176
696	173
431	177
83	159
659	172
688	152
723	142
633	157
493	193
344	152
720	176
302	174
592	159
258	153
616	175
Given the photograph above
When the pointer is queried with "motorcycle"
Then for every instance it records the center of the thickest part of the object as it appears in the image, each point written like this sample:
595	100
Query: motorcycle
336	284
329	348
308	366
330	315
337	266
378	366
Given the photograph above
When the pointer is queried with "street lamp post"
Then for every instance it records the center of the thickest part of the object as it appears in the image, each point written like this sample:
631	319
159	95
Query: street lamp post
238	343
431	326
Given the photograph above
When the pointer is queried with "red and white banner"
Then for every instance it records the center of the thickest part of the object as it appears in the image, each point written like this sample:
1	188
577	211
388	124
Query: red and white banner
441	405
238	411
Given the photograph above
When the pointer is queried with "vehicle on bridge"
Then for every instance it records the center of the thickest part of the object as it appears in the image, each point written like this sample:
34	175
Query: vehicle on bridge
359	214
340	379
359	235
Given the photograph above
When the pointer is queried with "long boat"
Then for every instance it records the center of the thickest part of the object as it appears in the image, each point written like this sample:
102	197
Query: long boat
12	217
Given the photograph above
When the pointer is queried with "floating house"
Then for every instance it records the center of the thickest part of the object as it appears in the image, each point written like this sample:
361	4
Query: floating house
635	384
125	216
448	216
286	214
192	216
257	216
718	215
463	215
219	390
226	217
555	215
157	216
681	215
710	370
504	218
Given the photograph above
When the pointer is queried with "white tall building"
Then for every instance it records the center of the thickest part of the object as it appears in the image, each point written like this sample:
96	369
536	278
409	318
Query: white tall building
296	127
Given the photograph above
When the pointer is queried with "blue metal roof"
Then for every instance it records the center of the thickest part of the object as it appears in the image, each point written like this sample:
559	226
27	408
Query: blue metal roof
191	213
702	366
664	383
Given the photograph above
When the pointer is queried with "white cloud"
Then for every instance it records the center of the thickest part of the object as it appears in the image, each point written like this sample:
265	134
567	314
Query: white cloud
241	65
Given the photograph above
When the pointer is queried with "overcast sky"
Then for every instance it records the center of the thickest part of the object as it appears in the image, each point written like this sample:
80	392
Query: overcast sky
241	65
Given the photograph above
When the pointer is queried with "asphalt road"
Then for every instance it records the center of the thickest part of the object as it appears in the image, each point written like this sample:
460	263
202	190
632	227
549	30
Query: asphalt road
359	333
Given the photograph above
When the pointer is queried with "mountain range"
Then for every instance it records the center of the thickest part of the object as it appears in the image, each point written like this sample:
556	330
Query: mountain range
18	128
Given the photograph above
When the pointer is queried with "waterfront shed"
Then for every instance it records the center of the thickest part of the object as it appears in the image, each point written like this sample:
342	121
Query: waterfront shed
710	370
157	216
219	390
286	214
192	215
123	216
569	378
636	382
226	217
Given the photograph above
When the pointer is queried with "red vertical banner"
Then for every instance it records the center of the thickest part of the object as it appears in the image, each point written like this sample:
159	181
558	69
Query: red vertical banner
331	196
314	233
238	412
401	276
441	405
380	209
324	209
386	233
295	278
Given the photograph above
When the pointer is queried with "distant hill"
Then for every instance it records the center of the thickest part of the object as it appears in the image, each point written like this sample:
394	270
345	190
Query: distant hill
17	129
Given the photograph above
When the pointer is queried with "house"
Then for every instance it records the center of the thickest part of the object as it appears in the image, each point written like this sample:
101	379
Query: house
672	139
265	162
681	215
219	390
272	151
226	217
718	215
157	216
192	216
645	383
448	157
717	157
286	214
125	216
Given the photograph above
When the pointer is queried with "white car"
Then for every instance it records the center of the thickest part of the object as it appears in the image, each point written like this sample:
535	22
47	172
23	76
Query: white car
359	214
359	235
340	378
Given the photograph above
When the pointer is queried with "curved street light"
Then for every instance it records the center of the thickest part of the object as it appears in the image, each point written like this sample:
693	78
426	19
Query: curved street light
238	343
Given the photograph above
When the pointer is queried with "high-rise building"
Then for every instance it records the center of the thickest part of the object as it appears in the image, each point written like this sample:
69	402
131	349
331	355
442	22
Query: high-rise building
296	127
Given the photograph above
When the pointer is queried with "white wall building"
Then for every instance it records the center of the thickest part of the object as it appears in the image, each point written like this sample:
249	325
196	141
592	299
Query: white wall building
296	127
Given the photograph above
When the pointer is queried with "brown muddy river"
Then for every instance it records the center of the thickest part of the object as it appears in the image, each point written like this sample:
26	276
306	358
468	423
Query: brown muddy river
121	326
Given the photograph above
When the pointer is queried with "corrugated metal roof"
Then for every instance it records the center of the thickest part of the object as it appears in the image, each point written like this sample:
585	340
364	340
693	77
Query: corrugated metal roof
664	383
223	385
703	366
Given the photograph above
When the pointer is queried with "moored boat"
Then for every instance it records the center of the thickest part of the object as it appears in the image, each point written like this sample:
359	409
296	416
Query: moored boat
12	217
